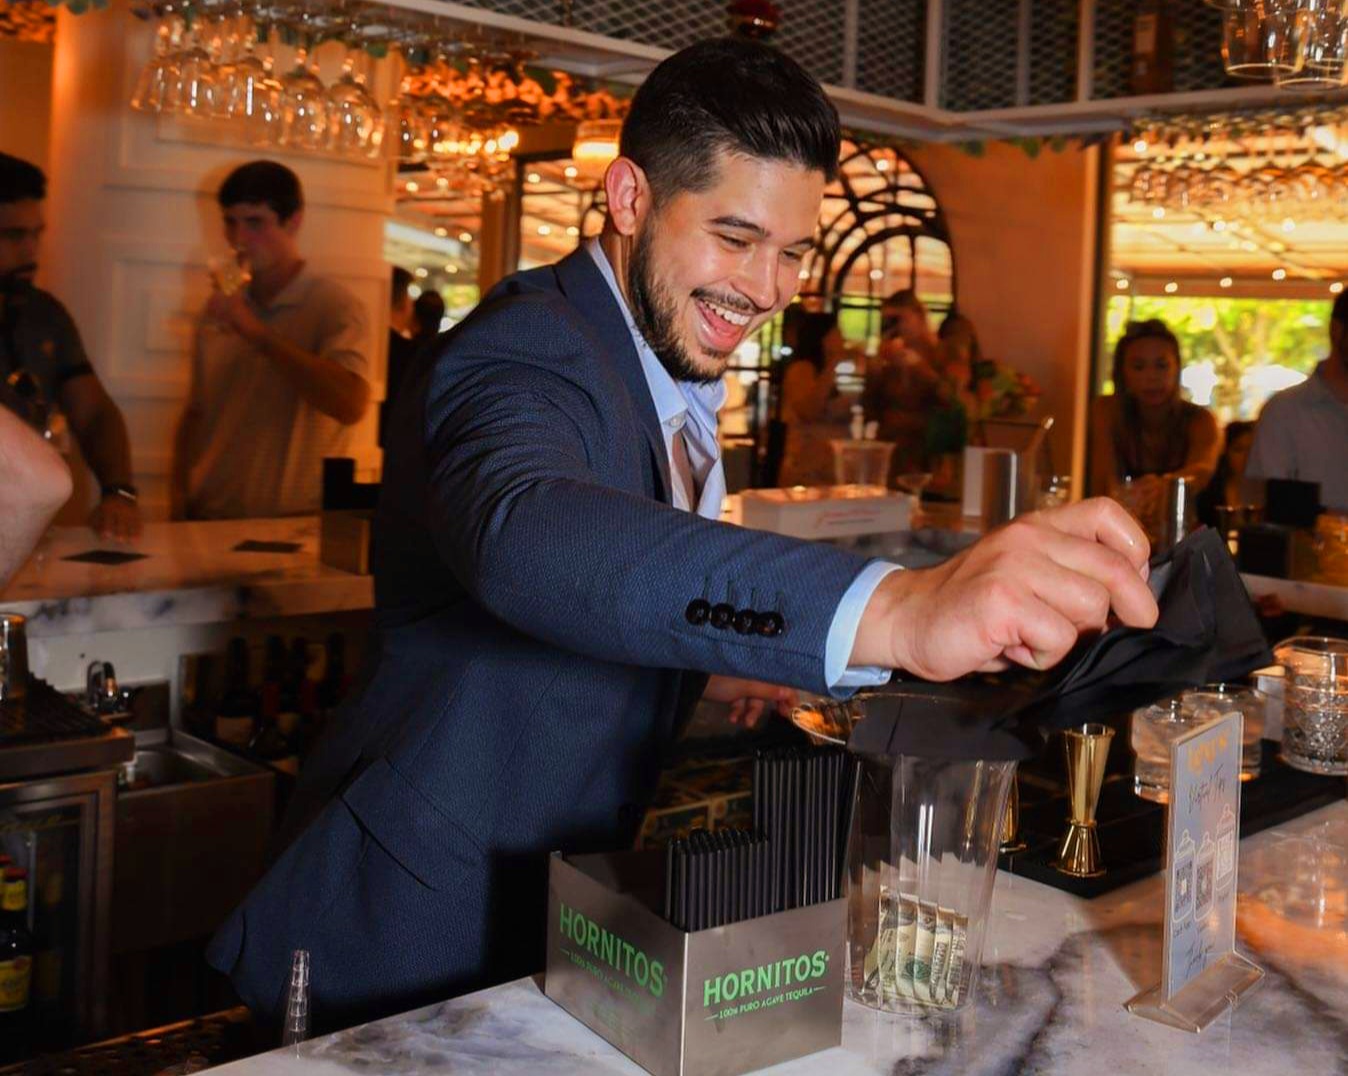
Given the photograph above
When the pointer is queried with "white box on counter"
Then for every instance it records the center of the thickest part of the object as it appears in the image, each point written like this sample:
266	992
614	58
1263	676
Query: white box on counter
826	511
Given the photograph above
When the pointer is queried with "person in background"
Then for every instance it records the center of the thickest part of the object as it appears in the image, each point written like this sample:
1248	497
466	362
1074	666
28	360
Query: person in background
812	409
278	369
402	330
429	311
38	339
1227	480
34	483
1303	431
1146	432
902	386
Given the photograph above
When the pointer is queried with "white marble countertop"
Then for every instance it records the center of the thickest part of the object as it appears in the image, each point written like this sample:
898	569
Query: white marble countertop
190	574
1057	973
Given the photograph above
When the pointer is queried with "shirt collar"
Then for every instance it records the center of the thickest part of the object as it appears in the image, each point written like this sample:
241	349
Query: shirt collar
673	399
293	294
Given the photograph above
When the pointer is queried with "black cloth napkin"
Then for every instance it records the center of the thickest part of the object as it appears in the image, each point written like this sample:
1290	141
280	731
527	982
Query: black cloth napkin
1207	632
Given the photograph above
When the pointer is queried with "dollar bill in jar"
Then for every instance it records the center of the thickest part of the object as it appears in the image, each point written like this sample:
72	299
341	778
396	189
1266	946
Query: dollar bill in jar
923	948
907	941
940	953
954	977
878	967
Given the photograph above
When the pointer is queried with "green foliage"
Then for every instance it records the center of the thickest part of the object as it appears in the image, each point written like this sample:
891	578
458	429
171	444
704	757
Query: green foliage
1233	334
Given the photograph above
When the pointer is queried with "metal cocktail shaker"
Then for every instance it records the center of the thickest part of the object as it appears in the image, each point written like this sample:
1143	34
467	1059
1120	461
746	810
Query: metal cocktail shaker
1177	515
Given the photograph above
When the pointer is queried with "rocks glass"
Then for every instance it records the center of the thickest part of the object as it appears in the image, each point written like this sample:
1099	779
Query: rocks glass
1315	704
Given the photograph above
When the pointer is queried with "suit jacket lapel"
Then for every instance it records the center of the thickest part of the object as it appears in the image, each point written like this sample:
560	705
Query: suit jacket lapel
582	283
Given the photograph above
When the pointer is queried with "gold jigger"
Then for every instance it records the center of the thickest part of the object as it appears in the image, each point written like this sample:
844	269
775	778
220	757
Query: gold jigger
1087	749
1011	841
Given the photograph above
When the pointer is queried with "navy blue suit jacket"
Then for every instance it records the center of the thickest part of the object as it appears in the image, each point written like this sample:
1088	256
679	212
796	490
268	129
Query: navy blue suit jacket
534	631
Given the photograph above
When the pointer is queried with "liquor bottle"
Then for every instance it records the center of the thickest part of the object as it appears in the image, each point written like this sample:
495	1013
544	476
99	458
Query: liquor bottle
270	744
236	717
1153	66
335	680
16	952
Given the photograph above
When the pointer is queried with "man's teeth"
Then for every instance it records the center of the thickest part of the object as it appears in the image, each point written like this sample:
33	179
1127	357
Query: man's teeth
732	316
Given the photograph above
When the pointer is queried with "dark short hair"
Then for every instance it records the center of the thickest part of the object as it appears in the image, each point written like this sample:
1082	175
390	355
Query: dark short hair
1340	311
20	181
429	308
402	280
906	297
727	95
815	325
1151	329
263	183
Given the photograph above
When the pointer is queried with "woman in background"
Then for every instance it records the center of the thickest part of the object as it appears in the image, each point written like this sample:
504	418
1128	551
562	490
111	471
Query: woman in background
1226	485
1146	432
812	409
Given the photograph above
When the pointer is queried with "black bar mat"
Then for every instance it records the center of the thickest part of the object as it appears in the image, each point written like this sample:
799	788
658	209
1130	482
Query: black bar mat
1132	830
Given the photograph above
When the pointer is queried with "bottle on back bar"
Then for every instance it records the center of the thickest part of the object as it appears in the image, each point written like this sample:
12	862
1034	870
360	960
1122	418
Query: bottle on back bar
270	743
1153	66
16	952
236	717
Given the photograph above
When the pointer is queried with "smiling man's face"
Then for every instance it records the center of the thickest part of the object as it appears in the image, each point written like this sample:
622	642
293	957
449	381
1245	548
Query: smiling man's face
709	267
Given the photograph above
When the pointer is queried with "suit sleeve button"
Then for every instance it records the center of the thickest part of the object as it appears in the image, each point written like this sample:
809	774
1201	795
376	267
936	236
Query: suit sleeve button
697	612
722	615
769	624
745	620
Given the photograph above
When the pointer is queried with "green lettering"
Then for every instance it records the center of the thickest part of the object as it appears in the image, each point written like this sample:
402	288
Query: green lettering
643	968
746	982
657	979
711	993
565	917
819	963
786	966
765	977
608	946
592	940
730	986
802	968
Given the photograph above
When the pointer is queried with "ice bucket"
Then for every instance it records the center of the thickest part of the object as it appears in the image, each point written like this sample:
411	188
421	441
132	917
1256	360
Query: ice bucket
921	866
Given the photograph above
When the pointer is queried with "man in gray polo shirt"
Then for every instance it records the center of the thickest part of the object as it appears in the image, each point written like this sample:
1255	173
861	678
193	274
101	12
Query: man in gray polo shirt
1303	431
278	369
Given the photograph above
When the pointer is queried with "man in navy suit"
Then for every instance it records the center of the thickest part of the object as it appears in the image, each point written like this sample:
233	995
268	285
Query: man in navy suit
553	585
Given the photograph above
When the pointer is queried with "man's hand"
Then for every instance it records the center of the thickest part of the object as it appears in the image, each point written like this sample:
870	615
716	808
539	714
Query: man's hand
1023	594
116	517
233	312
749	699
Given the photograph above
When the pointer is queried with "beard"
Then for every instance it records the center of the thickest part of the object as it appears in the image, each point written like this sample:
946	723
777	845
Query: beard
17	281
656	313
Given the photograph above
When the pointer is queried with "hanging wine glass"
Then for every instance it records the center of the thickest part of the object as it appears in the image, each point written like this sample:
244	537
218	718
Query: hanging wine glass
152	85
355	122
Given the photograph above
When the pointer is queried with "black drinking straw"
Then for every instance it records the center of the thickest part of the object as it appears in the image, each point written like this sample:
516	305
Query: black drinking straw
850	797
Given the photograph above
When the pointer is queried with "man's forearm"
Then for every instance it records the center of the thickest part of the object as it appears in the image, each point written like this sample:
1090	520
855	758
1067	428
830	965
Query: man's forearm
107	448
334	390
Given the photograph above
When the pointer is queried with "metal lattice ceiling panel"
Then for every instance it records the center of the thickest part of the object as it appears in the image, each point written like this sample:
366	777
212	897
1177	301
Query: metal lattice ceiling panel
1052	55
891	48
980	55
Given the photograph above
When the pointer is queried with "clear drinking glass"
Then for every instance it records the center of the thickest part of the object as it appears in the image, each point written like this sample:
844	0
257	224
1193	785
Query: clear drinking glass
1153	729
921	867
1315	704
862	463
1258	39
355	122
1218	700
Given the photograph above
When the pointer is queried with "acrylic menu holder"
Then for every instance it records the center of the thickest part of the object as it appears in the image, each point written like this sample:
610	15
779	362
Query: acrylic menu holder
1201	973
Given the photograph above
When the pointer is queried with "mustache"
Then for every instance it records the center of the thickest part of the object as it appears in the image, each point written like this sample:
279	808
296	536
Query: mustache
731	302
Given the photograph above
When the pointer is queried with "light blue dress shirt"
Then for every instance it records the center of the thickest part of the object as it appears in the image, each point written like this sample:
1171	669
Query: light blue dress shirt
692	407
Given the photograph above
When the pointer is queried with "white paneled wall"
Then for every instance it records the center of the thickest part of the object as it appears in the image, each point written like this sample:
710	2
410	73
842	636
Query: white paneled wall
132	224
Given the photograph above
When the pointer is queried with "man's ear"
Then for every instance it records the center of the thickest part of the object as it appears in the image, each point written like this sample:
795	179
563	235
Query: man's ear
628	195
1336	336
293	222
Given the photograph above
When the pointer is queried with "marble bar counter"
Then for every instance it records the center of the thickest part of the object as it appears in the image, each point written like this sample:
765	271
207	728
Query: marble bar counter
1057	972
187	579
